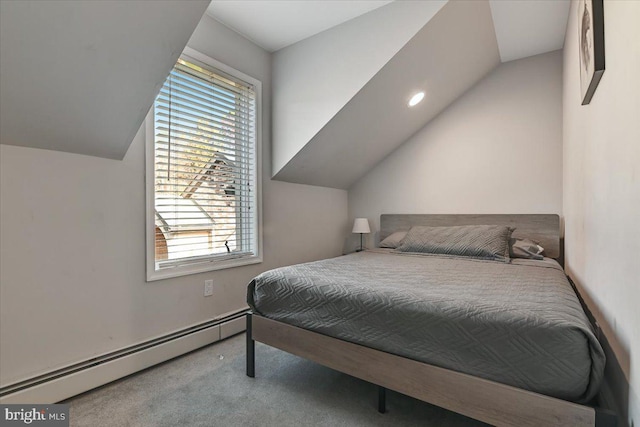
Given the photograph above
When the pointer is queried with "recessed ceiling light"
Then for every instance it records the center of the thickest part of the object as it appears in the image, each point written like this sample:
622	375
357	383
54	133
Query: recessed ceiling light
415	99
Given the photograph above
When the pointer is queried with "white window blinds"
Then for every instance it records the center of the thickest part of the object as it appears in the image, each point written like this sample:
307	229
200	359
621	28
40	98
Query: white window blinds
205	183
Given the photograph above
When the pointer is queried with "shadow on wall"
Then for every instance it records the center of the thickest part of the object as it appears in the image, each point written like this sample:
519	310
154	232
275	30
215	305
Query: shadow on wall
614	392
352	241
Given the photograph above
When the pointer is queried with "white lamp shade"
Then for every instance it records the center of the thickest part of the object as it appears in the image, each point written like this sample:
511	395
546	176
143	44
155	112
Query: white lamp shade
361	225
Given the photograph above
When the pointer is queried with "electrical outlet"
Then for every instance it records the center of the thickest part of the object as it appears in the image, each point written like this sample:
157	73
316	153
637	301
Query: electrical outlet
208	288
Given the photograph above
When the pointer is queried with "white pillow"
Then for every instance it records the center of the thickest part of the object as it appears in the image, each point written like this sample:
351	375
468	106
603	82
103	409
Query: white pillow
525	248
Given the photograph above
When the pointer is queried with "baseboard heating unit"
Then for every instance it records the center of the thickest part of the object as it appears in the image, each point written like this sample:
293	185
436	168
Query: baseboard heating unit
60	384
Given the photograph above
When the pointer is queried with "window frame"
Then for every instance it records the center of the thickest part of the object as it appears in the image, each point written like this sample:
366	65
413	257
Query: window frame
210	263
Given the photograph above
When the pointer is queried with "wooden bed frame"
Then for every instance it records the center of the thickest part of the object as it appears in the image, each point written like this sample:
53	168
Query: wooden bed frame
488	401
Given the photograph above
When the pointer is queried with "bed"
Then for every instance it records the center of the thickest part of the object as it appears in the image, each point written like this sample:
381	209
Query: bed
504	341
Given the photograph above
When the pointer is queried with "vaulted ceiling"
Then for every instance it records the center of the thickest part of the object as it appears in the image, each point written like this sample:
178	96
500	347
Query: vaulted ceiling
274	24
80	76
523	27
454	50
332	123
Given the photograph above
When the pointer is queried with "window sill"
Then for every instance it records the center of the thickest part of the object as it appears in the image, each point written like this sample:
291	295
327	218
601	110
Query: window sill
201	267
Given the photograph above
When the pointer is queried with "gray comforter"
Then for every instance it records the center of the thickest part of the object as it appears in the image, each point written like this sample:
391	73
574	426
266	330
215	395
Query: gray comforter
517	323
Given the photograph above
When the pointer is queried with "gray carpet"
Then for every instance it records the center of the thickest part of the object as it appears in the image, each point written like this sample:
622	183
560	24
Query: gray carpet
209	388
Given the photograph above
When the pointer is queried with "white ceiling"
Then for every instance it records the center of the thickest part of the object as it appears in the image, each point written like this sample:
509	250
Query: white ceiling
529	27
274	24
470	37
80	76
459	39
523	27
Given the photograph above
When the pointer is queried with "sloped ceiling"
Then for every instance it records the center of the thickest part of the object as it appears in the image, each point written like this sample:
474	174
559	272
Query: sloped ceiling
275	24
529	27
315	78
452	52
80	76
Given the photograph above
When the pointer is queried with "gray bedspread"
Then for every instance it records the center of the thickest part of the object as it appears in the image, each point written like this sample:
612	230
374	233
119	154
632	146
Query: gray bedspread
517	323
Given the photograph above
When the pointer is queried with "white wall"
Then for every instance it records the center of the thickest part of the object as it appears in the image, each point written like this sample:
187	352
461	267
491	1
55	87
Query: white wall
602	192
72	252
497	149
314	78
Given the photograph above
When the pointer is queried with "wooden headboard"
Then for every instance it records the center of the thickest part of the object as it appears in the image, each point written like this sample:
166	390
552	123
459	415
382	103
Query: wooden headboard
542	228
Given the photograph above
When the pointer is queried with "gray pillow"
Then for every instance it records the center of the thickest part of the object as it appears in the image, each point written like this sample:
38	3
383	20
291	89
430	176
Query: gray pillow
393	240
477	241
525	248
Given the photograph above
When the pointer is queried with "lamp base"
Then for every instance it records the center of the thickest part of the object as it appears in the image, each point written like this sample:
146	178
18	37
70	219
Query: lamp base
361	247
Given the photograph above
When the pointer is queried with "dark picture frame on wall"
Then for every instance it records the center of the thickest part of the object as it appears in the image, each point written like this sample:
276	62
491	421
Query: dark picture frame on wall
591	46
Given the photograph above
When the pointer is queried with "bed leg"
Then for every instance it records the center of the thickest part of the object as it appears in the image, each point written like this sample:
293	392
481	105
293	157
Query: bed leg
251	349
382	399
606	418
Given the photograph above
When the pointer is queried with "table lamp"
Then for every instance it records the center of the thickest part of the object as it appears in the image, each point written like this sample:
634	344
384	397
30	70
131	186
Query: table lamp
361	225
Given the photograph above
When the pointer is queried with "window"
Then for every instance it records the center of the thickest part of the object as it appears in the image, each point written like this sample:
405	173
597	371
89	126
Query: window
203	188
